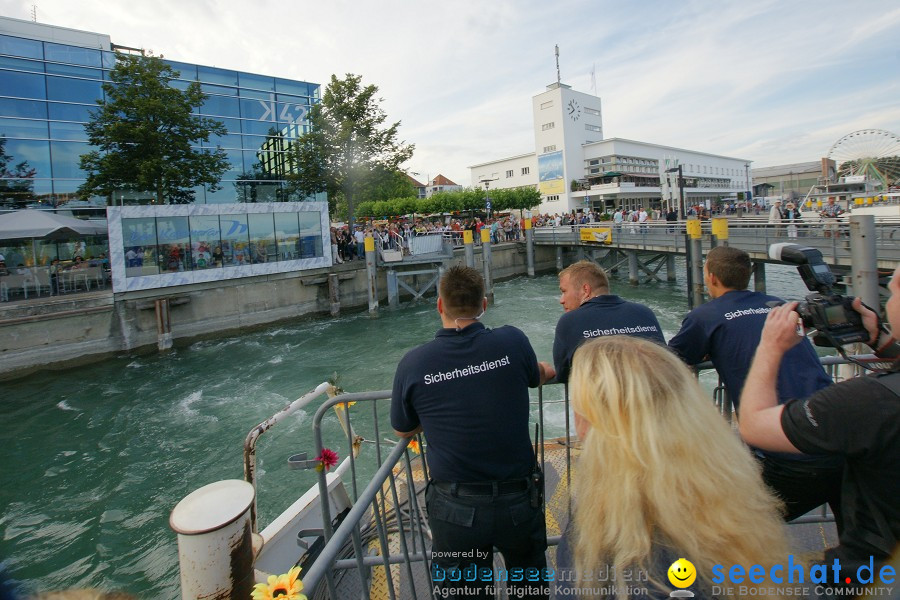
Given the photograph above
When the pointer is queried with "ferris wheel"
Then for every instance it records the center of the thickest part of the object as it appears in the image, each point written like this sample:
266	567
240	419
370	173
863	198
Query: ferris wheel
873	153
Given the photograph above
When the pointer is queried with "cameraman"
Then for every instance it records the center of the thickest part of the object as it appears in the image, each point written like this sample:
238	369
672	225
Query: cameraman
858	419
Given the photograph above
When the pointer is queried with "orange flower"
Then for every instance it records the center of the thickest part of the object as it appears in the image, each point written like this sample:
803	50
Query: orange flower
280	587
414	446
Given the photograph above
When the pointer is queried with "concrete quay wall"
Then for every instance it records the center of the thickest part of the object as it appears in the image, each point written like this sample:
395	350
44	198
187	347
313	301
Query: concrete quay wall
61	332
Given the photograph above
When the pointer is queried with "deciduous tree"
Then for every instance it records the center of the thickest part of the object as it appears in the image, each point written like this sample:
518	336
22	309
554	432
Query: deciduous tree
16	180
147	136
349	150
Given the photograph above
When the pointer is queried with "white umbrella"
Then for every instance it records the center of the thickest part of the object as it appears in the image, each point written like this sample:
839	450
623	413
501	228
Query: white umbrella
43	224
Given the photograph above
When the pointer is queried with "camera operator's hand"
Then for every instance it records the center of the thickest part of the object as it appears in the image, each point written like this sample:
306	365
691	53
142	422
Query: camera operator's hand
783	329
869	319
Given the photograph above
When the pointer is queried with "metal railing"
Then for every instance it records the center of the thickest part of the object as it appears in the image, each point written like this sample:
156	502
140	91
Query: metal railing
752	235
387	512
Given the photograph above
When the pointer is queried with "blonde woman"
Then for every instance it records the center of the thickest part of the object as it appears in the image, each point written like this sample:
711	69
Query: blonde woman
661	476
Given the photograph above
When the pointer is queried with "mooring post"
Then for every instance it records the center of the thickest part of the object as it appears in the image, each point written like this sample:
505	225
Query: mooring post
719	232
163	324
371	274
529	245
759	277
670	267
632	267
697	266
694	254
334	294
393	289
469	245
486	264
865	264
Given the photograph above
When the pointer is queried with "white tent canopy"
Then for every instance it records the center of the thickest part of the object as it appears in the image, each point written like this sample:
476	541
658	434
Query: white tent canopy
44	224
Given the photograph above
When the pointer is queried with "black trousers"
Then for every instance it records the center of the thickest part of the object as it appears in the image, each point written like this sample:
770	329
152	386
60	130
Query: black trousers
466	529
804	485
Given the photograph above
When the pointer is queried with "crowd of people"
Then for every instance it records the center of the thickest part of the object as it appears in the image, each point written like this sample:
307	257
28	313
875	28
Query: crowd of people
661	474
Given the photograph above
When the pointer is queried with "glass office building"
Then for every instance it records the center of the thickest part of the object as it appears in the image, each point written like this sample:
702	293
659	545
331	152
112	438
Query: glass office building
51	79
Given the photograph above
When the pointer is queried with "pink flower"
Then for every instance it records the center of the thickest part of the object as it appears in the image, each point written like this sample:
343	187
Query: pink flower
327	459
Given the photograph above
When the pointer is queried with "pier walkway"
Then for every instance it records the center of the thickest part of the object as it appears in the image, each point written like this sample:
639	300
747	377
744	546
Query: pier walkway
753	236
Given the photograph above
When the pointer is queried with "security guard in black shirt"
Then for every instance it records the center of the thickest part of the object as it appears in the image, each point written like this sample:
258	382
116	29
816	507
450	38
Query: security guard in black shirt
468	391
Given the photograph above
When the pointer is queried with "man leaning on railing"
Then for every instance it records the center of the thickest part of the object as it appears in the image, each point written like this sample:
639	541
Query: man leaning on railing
468	391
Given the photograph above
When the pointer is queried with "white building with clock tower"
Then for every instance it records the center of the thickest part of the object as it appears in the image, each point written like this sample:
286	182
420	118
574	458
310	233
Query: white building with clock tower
564	121
607	173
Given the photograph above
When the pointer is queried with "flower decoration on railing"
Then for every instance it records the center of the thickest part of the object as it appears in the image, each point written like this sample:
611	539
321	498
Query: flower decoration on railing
327	459
414	446
280	587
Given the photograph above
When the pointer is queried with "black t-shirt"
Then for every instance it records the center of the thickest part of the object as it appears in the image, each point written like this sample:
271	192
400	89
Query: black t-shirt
858	419
597	317
469	391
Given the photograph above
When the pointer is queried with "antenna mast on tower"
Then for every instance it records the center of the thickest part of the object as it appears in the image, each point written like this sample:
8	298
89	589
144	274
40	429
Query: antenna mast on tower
34	13
557	63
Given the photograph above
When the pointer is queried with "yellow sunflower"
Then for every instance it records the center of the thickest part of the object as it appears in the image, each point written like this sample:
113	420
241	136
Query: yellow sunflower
414	446
280	587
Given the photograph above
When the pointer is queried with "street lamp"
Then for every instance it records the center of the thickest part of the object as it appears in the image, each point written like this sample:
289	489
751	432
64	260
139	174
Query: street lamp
680	187
487	198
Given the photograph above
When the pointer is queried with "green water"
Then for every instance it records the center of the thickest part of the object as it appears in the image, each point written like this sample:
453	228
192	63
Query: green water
95	458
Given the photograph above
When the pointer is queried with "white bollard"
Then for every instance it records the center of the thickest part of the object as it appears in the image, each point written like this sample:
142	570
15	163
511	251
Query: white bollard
215	547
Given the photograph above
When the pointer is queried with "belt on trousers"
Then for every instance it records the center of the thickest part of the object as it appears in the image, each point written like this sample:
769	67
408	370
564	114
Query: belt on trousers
484	488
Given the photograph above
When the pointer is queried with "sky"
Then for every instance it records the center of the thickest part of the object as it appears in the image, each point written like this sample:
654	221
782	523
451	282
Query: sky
770	81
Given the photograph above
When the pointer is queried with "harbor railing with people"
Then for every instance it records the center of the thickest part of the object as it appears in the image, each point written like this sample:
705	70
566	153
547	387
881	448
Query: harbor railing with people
750	234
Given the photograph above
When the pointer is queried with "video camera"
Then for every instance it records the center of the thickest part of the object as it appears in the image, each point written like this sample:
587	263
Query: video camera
830	314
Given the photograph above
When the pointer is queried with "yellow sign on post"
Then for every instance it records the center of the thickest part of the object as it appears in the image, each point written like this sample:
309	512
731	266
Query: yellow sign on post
693	229
485	235
599	235
527	222
467	236
369	243
720	228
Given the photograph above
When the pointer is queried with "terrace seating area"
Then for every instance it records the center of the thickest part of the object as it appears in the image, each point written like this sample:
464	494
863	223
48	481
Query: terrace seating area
35	282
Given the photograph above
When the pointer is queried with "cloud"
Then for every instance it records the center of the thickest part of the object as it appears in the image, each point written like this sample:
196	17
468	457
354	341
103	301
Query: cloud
768	81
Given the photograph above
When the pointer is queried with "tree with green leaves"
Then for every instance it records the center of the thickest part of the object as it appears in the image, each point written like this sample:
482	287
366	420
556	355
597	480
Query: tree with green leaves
16	180
349	151
147	135
471	199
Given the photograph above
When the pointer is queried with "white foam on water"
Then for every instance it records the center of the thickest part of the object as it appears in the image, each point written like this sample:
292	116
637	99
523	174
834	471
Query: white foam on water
63	405
184	407
136	364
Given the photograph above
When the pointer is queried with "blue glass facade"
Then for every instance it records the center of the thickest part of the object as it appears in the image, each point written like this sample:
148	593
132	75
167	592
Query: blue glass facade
47	91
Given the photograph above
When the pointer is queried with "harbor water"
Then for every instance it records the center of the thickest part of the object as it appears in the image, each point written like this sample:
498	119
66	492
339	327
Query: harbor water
96	457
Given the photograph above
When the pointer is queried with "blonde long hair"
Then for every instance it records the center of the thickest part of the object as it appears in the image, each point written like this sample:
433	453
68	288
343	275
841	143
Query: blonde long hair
659	465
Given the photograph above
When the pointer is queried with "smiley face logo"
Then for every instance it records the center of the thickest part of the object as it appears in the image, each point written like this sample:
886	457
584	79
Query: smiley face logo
682	573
